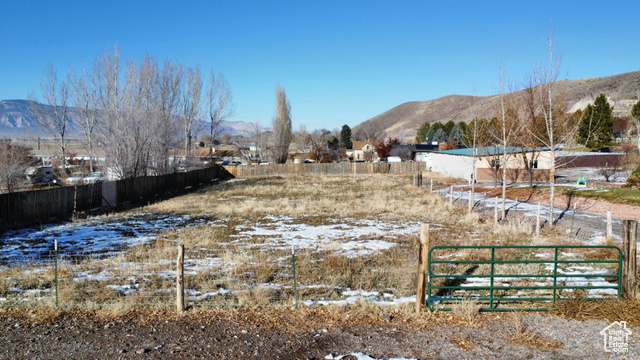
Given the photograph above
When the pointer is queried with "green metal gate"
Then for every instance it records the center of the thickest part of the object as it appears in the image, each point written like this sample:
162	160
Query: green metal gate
485	262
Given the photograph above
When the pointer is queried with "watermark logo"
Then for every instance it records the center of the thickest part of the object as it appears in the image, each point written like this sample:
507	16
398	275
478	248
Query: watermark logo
616	337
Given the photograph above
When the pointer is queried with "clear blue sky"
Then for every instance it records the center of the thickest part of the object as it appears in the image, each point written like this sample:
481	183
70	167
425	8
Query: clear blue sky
340	62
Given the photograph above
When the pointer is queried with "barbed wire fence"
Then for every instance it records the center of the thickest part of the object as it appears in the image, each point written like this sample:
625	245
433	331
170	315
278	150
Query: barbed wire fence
225	276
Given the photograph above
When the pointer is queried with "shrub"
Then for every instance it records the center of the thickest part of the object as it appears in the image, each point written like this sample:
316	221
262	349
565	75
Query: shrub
634	179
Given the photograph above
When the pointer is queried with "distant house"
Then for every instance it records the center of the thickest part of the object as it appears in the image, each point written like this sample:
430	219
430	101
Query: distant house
459	163
363	151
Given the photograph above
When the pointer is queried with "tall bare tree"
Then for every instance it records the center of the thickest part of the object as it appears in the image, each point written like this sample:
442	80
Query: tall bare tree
124	110
503	131
281	126
191	105
84	103
14	161
552	108
372	130
168	87
531	120
220	101
54	118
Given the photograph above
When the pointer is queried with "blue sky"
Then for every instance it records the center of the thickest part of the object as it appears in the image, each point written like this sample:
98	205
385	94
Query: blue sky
340	62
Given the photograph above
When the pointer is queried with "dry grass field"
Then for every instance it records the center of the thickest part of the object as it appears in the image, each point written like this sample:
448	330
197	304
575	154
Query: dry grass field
355	239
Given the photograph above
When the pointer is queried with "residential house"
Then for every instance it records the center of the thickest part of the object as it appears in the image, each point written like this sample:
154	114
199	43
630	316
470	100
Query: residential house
363	151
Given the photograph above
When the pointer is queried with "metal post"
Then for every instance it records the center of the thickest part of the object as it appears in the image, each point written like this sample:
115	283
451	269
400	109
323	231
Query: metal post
573	218
555	274
538	221
493	262
295	279
609	227
55	266
495	212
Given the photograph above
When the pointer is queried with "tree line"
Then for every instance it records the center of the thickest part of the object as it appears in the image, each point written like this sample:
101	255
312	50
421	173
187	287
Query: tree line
138	112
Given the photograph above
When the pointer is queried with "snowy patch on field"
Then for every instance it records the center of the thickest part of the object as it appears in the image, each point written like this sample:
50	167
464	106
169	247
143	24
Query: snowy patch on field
95	237
352	238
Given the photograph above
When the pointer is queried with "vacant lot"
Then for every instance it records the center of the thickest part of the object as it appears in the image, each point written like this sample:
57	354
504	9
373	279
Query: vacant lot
354	239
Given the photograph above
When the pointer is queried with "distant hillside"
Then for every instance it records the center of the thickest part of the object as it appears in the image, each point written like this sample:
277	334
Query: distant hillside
622	91
18	121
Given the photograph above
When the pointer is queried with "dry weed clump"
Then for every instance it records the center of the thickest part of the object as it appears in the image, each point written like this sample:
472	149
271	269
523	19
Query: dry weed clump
521	334
467	311
579	309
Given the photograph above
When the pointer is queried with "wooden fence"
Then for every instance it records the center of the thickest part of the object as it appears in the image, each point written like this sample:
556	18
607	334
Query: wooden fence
245	171
41	206
28	208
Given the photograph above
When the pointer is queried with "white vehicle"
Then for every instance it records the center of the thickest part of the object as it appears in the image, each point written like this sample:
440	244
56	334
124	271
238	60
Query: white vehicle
94	178
394	159
75	178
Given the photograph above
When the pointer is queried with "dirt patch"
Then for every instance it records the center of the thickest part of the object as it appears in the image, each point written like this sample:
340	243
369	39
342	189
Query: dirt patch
267	333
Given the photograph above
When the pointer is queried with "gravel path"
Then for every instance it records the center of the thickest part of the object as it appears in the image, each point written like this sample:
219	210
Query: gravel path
301	336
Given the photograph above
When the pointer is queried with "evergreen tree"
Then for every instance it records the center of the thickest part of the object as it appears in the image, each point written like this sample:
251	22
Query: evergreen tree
345	137
429	137
635	113
421	136
448	127
596	125
436	126
456	134
440	136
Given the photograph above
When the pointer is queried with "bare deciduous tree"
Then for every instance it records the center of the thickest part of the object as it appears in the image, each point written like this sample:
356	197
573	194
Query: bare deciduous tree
14	161
220	102
504	130
281	126
84	104
168	102
53	118
372	130
191	105
552	108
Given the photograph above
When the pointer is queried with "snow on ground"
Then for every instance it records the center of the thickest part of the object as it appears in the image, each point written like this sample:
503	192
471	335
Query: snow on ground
103	238
95	237
530	211
350	237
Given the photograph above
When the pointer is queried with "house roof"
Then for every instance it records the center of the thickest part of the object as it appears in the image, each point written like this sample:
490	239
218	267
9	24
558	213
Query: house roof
491	150
359	144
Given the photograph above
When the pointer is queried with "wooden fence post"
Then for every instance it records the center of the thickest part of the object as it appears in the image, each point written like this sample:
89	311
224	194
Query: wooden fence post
609	227
629	253
180	280
538	221
430	186
423	256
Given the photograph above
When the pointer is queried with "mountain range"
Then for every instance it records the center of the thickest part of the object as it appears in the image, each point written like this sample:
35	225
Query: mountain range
622	91
17	121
